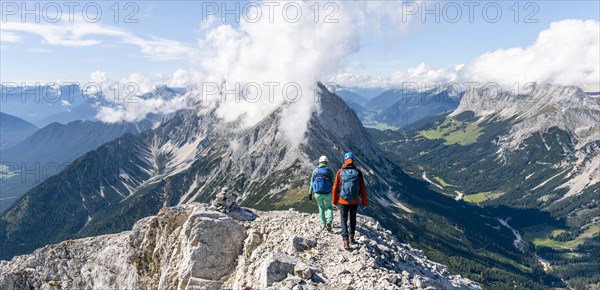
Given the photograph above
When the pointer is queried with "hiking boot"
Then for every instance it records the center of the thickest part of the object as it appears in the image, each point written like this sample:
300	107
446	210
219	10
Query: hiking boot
352	241
329	226
346	244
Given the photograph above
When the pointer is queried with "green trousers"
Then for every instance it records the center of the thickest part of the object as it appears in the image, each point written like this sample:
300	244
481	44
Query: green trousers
325	207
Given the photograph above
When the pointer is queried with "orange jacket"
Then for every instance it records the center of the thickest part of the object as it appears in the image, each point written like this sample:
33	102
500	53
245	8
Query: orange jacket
338	183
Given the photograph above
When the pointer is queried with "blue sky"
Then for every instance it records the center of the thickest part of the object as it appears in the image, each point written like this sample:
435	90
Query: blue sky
26	56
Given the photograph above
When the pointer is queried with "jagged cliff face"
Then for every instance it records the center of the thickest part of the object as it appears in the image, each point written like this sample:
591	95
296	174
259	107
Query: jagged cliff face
194	246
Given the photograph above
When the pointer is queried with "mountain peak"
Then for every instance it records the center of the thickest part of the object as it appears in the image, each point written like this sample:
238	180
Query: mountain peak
196	246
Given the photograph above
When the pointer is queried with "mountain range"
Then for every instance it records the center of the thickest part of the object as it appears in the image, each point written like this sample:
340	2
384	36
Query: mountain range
192	156
51	149
401	108
48	150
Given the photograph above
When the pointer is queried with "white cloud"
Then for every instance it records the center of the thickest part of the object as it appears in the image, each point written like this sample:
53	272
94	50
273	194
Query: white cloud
287	53
138	84
140	108
184	78
84	34
567	53
281	52
350	79
132	98
422	74
7	36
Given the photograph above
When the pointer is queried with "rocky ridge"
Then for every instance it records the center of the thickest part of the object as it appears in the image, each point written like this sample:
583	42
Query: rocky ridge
566	107
224	246
536	112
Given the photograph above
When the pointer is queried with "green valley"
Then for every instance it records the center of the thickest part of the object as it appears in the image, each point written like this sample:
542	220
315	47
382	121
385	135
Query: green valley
454	131
482	196
6	173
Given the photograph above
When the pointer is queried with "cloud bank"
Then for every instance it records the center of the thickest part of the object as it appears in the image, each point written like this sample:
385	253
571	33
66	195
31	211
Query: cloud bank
131	98
567	53
420	74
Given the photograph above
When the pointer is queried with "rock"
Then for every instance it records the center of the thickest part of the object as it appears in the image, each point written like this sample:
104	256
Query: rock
302	244
252	242
276	268
423	282
185	245
303	271
197	246
343	271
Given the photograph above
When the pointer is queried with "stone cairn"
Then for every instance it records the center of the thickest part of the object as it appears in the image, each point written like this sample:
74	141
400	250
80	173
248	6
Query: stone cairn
225	201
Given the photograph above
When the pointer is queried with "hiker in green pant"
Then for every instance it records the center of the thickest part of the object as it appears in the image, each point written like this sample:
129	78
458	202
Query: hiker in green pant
321	182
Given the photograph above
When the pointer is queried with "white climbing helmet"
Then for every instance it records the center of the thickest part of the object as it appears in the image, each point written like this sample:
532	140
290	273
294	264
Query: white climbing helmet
323	159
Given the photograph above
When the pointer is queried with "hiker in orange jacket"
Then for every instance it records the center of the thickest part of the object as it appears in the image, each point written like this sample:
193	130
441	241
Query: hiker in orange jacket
348	189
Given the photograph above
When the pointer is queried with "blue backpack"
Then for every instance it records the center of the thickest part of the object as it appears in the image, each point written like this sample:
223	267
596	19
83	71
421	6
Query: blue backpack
321	182
350	188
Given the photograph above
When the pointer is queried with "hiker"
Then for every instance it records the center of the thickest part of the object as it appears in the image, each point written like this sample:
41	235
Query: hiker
321	182
348	188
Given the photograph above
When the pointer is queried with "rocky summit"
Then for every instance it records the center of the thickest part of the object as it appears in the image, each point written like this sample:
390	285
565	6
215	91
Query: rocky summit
201	246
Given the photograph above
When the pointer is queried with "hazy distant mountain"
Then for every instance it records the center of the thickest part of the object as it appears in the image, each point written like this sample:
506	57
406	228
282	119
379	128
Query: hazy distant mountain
396	108
388	98
13	130
410	108
52	148
195	154
37	102
82	112
351	96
